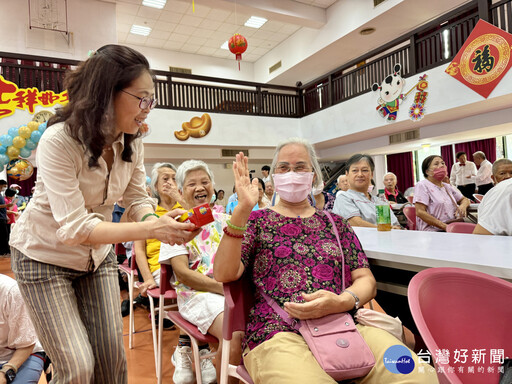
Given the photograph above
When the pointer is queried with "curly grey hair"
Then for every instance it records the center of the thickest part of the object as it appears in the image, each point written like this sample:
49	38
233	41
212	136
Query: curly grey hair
189	166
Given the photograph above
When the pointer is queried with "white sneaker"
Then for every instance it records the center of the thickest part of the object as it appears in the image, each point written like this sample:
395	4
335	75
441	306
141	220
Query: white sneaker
182	360
208	372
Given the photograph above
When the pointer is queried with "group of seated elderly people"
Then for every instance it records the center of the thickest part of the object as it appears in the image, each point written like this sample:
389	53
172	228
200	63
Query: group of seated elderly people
289	251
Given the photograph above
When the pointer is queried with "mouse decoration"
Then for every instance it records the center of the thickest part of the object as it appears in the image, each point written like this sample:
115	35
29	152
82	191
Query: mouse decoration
390	94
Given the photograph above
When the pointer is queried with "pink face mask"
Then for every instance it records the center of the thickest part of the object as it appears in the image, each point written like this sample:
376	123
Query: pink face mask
440	173
293	187
370	188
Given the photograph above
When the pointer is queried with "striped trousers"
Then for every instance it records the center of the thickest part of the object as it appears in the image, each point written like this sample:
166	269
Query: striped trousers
77	318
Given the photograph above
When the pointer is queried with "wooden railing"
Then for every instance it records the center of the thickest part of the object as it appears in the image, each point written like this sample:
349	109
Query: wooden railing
428	47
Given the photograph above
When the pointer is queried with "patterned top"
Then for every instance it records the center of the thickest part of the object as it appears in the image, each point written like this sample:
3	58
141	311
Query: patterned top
285	256
329	200
201	254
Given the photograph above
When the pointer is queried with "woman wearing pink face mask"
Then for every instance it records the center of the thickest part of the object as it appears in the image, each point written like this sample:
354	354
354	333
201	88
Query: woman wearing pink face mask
290	253
437	203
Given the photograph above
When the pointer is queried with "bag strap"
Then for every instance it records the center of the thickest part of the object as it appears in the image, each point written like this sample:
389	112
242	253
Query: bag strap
451	197
336	233
280	311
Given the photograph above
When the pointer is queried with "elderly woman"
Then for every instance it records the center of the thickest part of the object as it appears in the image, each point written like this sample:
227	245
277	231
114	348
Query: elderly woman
393	195
263	202
437	203
291	254
321	199
200	296
357	205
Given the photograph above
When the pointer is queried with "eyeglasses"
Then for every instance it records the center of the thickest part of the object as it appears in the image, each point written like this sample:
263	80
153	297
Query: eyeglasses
285	167
145	102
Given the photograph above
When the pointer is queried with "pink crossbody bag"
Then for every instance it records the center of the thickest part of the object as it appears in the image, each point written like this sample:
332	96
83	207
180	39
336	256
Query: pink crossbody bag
334	339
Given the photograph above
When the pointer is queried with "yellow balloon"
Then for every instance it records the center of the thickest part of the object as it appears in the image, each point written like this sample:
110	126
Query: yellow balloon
19	142
13	152
33	125
24	132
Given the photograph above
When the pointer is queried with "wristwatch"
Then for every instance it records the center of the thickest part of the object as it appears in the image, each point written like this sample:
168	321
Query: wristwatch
10	375
356	305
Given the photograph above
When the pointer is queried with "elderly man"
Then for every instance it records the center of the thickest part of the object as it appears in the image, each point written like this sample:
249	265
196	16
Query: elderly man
484	173
342	183
463	175
391	191
501	170
495	211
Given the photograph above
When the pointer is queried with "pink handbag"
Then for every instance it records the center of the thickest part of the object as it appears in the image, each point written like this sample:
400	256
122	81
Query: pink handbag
334	339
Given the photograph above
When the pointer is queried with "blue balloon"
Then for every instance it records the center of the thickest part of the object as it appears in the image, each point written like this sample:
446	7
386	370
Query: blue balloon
148	180
13	132
6	140
35	136
25	152
4	160
2	149
29	144
42	127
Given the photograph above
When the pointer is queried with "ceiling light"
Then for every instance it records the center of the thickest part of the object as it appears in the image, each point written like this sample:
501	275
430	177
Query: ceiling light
154	3
255	22
366	31
140	30
225	45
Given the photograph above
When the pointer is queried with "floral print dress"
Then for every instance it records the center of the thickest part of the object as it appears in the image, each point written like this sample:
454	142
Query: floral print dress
286	256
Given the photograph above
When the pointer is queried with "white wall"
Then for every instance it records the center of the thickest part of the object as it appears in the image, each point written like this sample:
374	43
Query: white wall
92	24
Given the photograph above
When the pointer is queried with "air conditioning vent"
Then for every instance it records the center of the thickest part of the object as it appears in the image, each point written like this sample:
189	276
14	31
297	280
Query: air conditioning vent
275	67
234	152
186	71
404	136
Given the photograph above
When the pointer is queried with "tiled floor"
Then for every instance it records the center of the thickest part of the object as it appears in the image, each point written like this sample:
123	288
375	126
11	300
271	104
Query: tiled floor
141	366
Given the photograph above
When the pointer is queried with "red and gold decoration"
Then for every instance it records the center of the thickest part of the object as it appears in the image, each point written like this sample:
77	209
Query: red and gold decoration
12	98
237	44
417	109
197	127
484	58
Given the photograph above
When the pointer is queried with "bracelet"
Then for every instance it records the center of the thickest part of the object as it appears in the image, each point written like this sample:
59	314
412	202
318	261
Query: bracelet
232	234
232	226
147	215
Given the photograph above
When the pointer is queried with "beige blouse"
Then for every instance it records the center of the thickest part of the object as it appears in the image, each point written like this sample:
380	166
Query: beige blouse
71	199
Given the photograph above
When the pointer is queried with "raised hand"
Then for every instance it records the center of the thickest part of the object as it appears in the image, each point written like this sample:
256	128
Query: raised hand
246	190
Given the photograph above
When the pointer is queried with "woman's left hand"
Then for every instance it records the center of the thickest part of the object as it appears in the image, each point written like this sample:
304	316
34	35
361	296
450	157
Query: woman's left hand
461	211
318	304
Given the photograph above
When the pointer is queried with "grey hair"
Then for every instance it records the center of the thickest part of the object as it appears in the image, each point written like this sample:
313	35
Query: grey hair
154	177
319	182
479	154
498	163
389	173
339	177
189	166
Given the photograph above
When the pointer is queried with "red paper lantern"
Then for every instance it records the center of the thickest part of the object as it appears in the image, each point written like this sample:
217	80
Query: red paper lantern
237	44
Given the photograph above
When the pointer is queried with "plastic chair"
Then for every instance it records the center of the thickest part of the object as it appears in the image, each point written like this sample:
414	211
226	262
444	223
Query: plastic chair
410	214
478	197
458	309
239	296
196	337
131	271
410	199
460	227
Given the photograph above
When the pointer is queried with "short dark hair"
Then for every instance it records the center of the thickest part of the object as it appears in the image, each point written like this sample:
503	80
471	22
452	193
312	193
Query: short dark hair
221	190
265	168
357	158
9	192
459	154
426	163
261	183
3	182
92	88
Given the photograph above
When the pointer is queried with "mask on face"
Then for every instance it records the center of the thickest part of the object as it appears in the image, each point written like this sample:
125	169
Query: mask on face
293	187
317	190
370	188
212	200
440	173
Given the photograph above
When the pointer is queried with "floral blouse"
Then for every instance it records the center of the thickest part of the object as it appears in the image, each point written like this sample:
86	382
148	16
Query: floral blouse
286	256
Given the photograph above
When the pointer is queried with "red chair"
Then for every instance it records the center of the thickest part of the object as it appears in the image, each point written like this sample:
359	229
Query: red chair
478	197
457	309
239	296
410	214
196	337
410	199
131	272
460	227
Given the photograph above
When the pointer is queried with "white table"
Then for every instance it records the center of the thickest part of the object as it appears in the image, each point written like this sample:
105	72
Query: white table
418	250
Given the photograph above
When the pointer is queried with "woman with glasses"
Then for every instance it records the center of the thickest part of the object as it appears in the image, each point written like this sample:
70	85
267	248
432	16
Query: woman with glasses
89	157
290	253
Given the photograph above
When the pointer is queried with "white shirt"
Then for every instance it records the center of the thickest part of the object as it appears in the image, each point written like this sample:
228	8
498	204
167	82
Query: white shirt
483	176
459	173
495	210
16	329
